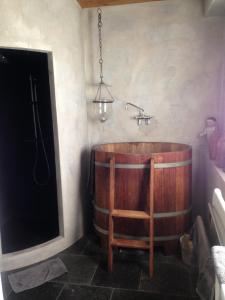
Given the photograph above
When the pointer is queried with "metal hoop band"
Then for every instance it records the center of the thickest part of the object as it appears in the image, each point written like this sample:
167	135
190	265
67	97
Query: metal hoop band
143	238
156	215
143	166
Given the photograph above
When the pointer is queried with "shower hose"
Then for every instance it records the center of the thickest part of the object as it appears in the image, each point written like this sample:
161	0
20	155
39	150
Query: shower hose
38	131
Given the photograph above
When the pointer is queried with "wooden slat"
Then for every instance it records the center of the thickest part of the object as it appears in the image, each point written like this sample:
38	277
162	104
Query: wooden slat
136	244
151	213
98	3
130	214
111	207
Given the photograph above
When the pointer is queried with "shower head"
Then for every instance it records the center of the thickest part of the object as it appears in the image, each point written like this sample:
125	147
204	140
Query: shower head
3	59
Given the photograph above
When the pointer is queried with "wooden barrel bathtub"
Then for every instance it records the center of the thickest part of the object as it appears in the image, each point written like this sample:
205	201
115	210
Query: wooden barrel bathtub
172	190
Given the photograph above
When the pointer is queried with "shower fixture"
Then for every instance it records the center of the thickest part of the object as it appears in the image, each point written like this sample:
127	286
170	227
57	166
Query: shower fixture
3	59
103	99
39	142
141	117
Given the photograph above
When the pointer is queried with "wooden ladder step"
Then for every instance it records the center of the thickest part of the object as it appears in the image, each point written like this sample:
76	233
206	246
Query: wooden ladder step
130	214
137	244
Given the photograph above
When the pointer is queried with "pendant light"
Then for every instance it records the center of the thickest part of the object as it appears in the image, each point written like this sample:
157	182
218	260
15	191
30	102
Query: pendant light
103	99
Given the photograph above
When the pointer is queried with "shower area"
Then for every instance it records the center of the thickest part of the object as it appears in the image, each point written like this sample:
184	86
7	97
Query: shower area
28	186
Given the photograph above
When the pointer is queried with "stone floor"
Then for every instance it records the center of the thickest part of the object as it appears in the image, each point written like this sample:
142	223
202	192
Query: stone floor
88	279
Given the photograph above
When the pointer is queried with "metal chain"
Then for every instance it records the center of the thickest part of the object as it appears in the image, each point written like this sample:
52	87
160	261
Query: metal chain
100	42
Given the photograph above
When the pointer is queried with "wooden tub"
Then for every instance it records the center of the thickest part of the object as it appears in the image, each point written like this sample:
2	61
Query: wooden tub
172	189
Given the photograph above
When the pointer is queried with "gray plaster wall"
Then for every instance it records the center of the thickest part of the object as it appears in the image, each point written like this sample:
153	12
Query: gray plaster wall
166	57
214	7
55	26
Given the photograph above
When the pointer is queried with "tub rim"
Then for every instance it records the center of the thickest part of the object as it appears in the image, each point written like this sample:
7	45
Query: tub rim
98	149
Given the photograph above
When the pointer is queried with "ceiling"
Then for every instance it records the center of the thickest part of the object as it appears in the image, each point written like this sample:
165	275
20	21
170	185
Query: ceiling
97	3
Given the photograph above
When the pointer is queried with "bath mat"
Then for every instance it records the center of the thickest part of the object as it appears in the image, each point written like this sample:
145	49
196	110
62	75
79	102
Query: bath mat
37	275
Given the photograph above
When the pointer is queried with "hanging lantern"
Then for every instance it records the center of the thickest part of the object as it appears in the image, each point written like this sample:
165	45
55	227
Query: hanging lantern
103	99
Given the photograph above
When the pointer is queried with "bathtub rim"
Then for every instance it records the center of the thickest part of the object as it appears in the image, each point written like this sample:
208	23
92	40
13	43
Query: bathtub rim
97	148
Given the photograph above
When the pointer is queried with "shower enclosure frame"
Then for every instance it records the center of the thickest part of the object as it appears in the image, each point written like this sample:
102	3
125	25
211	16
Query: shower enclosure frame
42	251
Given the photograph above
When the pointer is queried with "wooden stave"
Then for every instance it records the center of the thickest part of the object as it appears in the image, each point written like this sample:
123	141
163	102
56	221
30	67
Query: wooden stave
178	224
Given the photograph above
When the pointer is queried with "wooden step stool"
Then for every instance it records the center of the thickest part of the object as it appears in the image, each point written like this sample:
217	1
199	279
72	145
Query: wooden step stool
131	214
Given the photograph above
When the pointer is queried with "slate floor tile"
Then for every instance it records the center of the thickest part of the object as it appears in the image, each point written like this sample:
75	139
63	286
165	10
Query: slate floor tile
6	287
168	279
135	295
125	275
194	279
78	247
85	293
94	248
80	268
174	297
172	259
133	254
89	279
48	291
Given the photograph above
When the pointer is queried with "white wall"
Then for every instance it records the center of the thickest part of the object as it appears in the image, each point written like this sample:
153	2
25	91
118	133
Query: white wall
55	26
164	56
